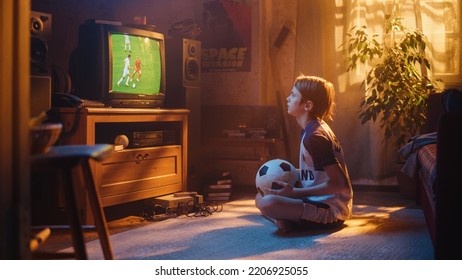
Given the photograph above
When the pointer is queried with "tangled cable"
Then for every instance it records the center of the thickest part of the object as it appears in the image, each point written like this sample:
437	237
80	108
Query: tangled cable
191	208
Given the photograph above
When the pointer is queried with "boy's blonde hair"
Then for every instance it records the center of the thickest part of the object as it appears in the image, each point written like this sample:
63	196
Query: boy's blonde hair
318	91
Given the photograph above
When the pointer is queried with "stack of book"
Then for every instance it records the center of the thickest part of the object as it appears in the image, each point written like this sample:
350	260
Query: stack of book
252	133
219	187
234	133
256	133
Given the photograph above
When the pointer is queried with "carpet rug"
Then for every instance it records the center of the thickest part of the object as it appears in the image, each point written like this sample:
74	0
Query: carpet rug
239	232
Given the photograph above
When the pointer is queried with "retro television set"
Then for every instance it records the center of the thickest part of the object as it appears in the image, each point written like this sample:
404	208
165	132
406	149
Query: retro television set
98	64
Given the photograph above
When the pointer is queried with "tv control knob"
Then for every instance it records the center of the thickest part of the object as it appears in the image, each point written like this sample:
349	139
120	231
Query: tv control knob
121	140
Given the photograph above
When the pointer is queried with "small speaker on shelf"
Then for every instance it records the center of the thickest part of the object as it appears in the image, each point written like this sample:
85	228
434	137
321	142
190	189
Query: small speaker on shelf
40	29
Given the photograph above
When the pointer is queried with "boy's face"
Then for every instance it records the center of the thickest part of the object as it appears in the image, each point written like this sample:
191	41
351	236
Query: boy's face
295	106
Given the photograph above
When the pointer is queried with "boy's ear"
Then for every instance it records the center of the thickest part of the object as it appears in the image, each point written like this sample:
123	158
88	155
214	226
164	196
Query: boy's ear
308	105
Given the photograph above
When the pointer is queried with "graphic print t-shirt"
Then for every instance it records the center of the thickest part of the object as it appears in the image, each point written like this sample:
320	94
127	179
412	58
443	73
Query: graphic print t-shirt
319	148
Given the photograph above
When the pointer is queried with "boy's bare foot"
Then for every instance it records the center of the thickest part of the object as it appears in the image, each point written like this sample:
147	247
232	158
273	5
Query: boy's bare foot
285	225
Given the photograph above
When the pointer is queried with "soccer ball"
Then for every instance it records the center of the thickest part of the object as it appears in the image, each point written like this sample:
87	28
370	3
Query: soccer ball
276	170
133	85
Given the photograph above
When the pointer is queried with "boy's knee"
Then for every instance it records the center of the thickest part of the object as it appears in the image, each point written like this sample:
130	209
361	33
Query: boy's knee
266	204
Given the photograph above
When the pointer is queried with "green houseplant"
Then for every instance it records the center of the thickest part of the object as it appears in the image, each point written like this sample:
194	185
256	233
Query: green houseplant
398	83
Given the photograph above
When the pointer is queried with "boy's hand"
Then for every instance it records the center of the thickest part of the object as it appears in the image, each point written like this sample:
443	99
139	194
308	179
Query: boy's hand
276	186
281	188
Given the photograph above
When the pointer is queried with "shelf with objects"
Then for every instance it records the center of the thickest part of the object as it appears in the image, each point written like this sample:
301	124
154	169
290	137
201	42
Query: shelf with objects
239	141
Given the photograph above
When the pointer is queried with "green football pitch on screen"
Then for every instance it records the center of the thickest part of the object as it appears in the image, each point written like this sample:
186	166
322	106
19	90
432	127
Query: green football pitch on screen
148	52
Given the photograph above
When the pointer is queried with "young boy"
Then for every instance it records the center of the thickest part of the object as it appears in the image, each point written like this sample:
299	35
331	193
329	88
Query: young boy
325	198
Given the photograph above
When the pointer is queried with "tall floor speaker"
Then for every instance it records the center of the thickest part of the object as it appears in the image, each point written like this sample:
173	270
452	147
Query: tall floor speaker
40	31
40	72
183	64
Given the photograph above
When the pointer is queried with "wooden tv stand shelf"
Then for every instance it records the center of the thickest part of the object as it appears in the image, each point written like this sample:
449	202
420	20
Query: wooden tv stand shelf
153	164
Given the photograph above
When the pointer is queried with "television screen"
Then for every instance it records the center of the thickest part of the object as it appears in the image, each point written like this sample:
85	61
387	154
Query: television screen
136	64
119	65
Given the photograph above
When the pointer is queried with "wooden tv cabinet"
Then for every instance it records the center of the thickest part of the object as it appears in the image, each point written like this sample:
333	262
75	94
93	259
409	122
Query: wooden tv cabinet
148	167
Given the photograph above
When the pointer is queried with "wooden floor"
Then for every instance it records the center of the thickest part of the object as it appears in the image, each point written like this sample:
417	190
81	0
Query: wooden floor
131	215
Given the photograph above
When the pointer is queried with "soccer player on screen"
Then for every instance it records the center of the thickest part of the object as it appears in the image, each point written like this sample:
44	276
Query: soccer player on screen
126	72
128	45
137	70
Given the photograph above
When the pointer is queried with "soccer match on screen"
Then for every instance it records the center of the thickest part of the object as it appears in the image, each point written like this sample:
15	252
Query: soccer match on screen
136	64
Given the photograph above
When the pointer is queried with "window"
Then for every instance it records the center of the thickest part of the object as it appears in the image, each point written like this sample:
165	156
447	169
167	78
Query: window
439	20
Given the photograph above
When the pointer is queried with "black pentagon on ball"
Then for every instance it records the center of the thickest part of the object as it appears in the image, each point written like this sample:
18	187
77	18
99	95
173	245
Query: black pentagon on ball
263	170
285	166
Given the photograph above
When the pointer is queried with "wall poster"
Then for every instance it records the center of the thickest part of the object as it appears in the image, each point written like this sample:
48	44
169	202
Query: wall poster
226	36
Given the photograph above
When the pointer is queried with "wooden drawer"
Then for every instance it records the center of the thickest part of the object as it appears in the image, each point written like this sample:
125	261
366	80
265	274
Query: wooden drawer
135	174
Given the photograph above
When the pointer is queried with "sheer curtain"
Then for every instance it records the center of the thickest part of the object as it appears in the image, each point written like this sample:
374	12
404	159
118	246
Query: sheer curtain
321	29
439	20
